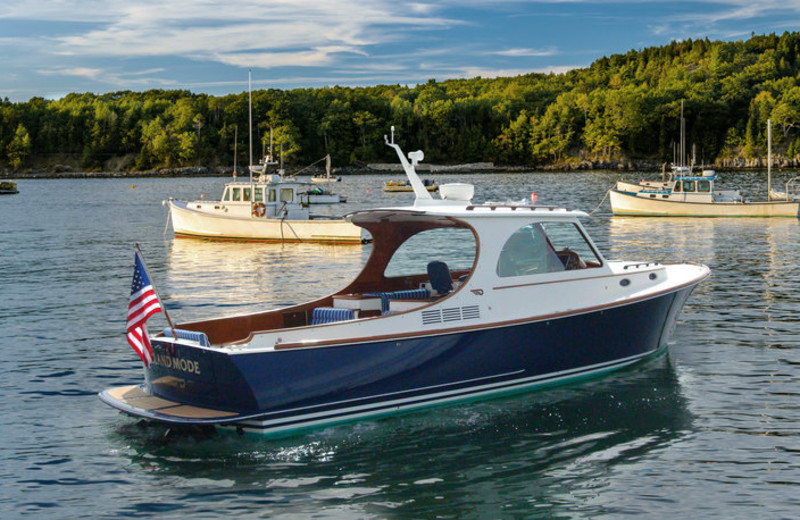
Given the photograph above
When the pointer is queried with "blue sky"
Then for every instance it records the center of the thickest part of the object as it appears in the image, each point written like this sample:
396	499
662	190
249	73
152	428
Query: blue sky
53	47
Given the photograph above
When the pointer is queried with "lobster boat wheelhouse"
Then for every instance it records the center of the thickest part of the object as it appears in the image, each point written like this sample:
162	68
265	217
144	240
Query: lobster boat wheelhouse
456	301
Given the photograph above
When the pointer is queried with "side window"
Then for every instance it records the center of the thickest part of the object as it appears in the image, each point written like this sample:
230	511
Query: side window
272	195
259	195
237	194
703	186
546	247
287	195
227	195
454	246
246	193
688	186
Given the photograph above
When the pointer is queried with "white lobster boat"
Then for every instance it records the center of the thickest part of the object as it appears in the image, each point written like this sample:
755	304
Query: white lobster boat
686	194
260	211
692	196
457	301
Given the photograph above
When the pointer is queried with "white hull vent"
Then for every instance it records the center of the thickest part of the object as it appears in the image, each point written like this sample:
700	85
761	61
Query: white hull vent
451	314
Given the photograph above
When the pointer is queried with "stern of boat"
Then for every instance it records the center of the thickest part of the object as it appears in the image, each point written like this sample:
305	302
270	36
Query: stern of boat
186	384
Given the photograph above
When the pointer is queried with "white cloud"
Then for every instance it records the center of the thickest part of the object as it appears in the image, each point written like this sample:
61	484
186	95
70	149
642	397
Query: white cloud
96	40
714	18
521	53
208	29
266	60
126	80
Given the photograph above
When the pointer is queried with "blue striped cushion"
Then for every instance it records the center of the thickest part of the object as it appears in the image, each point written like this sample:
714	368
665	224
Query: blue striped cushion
191	335
330	314
411	294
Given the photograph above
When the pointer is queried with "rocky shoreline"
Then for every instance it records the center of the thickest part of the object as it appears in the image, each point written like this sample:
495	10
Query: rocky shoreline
732	164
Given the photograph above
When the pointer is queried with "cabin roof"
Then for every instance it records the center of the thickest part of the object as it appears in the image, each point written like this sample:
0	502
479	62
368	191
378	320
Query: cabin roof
444	210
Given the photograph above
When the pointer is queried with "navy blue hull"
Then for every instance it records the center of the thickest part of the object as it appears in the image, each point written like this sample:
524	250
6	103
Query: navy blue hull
302	386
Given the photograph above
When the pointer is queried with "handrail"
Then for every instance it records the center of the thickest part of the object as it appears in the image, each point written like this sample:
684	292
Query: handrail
793	188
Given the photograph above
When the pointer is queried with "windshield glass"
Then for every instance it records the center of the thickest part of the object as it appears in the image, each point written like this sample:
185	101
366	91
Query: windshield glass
546	247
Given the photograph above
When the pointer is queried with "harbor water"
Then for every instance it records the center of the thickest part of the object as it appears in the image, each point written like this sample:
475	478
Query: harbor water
711	429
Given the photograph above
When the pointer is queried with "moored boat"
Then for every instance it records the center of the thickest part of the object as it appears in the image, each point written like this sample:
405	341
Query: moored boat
8	188
688	194
405	186
322	179
327	178
267	207
694	196
457	301
260	211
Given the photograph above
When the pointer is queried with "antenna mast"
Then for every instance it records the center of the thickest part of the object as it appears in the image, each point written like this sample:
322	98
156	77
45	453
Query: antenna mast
250	120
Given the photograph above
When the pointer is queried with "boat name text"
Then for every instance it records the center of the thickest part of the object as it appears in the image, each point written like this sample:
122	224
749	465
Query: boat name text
184	365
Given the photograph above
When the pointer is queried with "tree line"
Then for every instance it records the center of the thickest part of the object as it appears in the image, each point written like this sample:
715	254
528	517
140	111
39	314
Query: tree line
625	106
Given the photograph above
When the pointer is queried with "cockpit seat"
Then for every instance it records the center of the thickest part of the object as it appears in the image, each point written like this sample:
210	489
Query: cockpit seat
410	294
440	278
191	335
320	315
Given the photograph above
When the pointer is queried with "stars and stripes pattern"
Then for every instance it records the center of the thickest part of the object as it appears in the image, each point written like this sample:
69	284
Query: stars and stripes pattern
143	304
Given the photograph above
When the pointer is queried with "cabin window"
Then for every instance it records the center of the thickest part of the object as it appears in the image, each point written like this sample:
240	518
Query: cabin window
237	194
246	193
546	247
704	186
677	187
227	195
688	186
287	194
259	195
272	195
453	246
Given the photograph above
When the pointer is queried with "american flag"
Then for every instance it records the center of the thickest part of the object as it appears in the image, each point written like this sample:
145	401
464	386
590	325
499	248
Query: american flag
143	304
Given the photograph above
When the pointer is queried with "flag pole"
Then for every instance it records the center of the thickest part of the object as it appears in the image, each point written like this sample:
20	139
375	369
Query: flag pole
155	289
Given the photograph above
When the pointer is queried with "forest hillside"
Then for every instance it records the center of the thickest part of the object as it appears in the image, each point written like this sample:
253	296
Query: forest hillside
620	111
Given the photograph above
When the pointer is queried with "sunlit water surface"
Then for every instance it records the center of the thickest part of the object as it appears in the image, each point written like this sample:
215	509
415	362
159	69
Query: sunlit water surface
711	430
